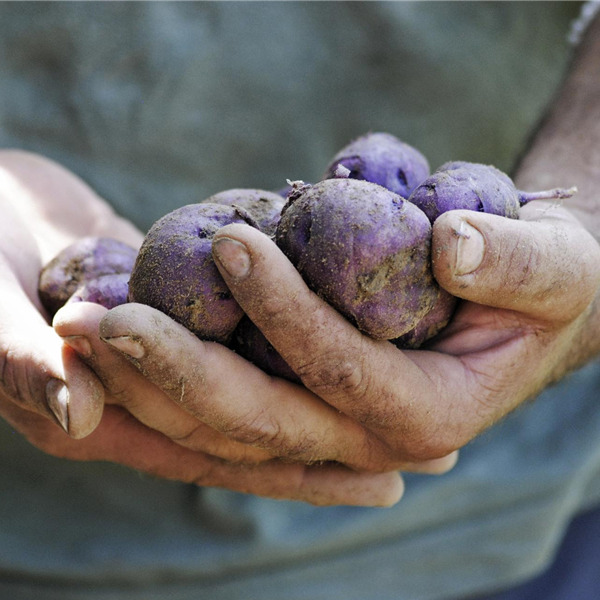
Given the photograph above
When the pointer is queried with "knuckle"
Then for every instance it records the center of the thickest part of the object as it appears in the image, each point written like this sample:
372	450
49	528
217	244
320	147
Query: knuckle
8	375
189	437
217	472
334	374
257	430
17	379
272	308
121	395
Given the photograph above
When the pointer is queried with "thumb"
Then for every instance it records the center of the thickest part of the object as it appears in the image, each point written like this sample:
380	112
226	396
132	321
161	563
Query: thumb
546	268
38	373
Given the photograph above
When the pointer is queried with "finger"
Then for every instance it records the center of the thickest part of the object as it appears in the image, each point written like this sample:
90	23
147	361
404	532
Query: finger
321	346
230	394
37	373
78	324
424	405
121	439
545	268
371	381
434	466
222	389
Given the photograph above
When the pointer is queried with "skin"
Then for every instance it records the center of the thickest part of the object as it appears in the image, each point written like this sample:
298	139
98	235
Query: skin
108	291
174	270
123	418
364	250
529	316
383	159
473	186
86	260
264	206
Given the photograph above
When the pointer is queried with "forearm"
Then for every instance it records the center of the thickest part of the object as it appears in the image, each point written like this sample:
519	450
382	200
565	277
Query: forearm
566	151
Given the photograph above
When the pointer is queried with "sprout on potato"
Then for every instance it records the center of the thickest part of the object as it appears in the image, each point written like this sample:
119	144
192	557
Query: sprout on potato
478	187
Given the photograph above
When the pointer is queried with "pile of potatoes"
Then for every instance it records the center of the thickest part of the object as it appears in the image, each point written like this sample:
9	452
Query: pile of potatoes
360	238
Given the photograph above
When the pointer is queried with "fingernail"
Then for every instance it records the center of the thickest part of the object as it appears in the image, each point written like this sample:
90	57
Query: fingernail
80	344
470	248
126	345
233	256
57	397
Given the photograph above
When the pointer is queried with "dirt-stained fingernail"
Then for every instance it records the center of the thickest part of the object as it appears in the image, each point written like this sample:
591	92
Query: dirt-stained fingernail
233	256
80	344
57	397
470	248
127	345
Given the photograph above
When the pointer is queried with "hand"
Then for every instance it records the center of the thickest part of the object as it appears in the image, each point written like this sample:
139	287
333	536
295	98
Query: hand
530	314
528	291
148	431
44	208
46	389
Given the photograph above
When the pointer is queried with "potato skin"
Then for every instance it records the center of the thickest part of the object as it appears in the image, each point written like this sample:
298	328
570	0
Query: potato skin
383	159
83	261
264	206
176	274
431	324
108	290
250	343
470	186
364	250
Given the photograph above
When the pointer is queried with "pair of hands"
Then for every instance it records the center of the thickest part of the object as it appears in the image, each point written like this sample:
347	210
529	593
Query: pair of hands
131	386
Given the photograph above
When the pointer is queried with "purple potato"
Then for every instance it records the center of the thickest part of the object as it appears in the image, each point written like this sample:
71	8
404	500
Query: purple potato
83	261
176	274
383	159
431	324
264	207
478	187
108	290
248	341
284	192
364	250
